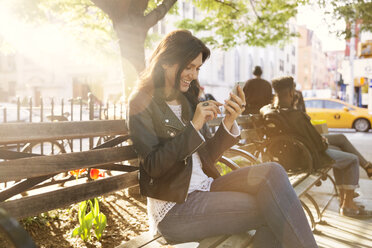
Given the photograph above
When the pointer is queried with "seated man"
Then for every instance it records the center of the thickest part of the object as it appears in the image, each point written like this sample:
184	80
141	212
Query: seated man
337	141
345	166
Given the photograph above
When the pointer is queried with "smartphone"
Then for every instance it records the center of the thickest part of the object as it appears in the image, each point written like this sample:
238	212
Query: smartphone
235	89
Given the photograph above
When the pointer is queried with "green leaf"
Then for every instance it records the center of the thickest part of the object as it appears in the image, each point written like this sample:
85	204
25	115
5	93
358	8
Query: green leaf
87	226
91	206
82	210
100	224
76	231
96	207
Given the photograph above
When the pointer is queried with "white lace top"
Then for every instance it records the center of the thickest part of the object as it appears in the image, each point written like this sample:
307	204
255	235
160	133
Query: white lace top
157	209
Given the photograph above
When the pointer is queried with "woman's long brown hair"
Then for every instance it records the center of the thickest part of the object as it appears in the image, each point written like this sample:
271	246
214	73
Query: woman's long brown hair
178	47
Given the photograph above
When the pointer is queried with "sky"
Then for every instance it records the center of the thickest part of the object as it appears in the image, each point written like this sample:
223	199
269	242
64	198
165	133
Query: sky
315	20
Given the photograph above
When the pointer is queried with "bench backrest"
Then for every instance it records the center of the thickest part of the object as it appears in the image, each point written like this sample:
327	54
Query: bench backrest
11	133
38	172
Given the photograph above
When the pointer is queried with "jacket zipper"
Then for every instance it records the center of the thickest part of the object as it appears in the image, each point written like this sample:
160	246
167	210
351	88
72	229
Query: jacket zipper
192	152
188	185
184	160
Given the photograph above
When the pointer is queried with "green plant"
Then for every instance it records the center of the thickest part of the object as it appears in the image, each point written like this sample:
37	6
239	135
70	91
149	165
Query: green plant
90	217
40	220
89	213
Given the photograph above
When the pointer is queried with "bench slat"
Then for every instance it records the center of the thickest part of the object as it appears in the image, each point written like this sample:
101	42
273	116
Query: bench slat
306	184
141	241
33	205
241	240
30	132
47	165
212	241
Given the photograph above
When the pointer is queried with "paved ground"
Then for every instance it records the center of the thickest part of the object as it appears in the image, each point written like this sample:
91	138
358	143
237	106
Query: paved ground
342	232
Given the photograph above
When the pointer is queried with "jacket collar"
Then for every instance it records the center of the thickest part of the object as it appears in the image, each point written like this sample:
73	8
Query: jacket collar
169	118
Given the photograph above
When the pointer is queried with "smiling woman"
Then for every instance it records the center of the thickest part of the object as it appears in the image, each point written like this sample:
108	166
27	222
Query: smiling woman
188	200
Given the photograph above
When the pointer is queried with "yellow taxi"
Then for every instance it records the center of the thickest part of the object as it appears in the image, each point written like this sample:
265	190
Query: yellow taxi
338	114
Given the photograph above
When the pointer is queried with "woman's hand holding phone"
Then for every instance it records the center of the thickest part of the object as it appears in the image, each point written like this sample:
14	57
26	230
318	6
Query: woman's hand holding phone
234	106
205	111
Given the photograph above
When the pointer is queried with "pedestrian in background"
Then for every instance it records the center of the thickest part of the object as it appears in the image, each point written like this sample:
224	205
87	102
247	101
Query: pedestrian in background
258	93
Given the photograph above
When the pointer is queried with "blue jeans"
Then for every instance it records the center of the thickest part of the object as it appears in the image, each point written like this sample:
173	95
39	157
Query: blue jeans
340	141
257	198
346	169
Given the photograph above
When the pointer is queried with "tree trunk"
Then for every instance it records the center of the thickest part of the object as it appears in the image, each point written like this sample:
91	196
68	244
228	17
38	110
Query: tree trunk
132	43
131	26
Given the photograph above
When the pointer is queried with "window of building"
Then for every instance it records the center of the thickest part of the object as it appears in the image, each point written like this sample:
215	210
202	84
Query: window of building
250	66
185	9
163	27
293	51
281	65
237	65
262	66
287	57
221	70
293	69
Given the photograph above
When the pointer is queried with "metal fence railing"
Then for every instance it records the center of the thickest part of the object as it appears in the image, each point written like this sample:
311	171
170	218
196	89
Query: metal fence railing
75	109
50	110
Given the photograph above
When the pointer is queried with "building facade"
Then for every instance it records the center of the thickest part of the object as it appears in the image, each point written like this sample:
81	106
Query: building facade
312	63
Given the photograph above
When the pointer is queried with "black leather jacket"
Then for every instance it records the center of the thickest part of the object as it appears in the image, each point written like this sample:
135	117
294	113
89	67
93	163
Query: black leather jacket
164	146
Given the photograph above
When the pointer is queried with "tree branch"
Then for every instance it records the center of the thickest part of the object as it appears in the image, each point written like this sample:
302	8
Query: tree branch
115	9
158	13
138	7
254	10
229	4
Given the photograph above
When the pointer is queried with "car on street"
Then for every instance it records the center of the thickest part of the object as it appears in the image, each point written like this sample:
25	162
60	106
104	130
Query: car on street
338	114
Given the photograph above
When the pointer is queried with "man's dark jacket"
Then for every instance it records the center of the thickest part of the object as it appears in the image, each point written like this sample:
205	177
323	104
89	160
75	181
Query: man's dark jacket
165	146
297	124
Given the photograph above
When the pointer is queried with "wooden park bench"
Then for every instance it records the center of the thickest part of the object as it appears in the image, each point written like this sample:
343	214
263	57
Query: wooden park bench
24	170
36	156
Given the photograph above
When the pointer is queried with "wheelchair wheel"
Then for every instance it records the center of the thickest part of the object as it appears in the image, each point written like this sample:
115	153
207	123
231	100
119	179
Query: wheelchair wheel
44	148
291	153
225	165
241	157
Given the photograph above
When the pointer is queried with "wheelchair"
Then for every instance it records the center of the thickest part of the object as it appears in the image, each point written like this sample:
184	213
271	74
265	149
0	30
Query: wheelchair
269	138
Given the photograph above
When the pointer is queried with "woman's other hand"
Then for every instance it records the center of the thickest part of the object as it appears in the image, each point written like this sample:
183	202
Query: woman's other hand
234	106
205	111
